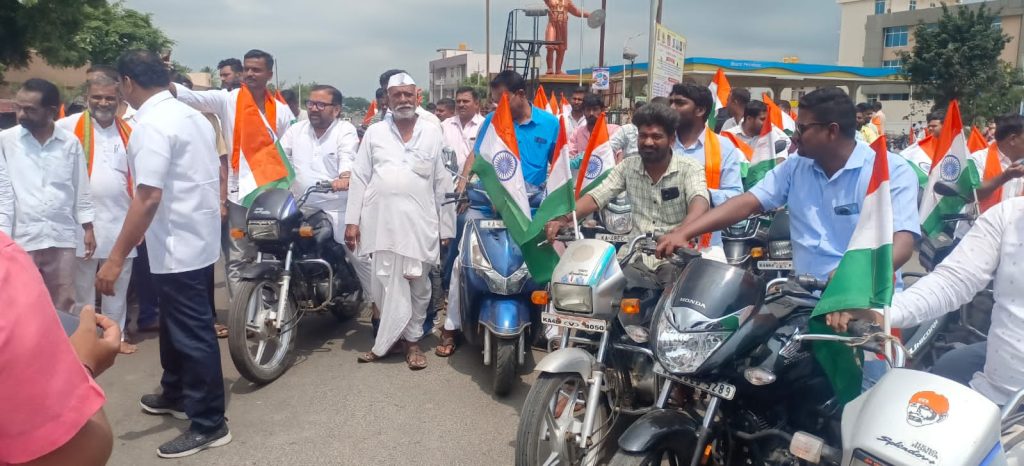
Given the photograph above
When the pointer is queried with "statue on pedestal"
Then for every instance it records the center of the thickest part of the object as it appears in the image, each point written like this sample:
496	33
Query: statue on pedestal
558	31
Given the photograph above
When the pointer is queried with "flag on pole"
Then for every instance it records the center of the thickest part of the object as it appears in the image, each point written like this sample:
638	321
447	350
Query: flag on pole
553	106
370	112
993	170
747	151
257	154
780	119
566	106
720	90
540	100
954	167
598	160
919	158
280	97
863	280
560	197
976	141
912	137
501	172
763	159
61	112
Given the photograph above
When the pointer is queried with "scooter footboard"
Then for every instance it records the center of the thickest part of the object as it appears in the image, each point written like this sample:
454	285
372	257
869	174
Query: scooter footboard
505	316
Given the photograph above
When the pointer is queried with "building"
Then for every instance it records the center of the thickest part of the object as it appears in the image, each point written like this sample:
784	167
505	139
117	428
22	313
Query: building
447	72
872	33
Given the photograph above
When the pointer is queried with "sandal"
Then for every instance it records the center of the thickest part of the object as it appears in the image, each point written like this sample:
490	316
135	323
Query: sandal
369	356
447	345
414	357
221	329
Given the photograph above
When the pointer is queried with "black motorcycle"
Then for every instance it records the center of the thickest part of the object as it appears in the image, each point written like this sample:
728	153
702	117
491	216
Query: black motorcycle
733	372
299	269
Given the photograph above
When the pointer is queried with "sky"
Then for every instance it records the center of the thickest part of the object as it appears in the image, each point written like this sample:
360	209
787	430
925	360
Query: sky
348	43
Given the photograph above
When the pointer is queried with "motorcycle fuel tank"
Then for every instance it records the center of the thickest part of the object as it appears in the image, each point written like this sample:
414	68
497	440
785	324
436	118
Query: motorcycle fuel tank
913	417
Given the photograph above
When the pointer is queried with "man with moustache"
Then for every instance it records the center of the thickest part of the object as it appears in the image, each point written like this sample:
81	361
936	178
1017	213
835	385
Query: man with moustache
230	72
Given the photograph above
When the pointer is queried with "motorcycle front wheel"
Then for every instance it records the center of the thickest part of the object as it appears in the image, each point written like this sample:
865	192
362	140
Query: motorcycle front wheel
260	351
555	404
673	450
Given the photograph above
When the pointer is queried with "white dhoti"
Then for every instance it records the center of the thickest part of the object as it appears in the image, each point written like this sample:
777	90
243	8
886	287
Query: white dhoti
115	307
453	313
362	265
401	289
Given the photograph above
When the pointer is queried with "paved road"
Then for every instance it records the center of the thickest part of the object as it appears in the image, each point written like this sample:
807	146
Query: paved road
328	409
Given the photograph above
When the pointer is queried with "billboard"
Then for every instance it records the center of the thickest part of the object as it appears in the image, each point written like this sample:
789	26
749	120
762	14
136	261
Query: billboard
667	65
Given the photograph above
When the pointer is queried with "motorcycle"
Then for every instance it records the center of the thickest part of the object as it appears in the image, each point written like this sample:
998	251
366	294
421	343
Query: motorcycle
497	313
299	269
602	368
613	223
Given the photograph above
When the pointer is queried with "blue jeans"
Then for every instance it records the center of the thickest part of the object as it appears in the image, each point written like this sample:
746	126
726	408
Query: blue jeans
189	352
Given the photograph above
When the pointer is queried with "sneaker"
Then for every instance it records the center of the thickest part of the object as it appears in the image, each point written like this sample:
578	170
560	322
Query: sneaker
156	404
190	442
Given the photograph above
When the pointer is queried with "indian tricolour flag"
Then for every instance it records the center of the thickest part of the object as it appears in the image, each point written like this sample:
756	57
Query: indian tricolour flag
598	160
762	160
720	90
863	280
953	167
919	159
560	195
780	119
501	172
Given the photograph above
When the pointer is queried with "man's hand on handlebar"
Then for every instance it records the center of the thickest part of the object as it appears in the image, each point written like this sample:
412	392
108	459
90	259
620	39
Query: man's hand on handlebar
840	321
670	242
552	228
341	183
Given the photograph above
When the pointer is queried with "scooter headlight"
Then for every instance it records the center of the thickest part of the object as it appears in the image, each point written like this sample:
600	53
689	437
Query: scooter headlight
496	283
683	352
572	298
780	249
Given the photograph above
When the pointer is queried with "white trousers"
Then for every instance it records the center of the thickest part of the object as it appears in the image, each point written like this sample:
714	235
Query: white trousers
115	307
362	266
401	288
453	314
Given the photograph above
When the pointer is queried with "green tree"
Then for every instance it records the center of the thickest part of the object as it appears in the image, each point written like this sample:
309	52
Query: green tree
478	82
356	104
958	58
214	77
109	30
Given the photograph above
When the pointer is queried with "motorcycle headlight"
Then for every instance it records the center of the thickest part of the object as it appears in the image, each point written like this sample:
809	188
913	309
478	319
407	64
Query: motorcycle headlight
616	223
780	249
263	230
572	298
496	283
684	352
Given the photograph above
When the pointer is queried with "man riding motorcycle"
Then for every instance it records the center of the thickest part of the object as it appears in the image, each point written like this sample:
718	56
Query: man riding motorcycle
665	191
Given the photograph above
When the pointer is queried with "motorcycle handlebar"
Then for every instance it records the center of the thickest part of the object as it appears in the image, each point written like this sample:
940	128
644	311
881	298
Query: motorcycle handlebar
872	340
810	283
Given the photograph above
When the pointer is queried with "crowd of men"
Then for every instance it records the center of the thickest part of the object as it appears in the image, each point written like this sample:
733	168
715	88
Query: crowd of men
149	180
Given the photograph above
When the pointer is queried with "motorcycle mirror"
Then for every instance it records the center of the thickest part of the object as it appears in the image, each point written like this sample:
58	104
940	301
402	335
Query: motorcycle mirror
947	189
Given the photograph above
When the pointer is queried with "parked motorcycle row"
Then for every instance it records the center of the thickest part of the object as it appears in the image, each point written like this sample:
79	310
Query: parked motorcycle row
715	368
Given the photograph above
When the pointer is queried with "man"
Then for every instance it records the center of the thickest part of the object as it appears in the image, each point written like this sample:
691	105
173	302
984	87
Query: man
258	69
445	109
176	206
935	119
879	118
230	72
735	106
536	134
786	107
576	118
395	213
323	148
424	114
381	95
53	408
990	253
749	129
292	99
824	188
865	129
460	133
624	141
717	154
667	191
104	139
1004	181
45	201
593	107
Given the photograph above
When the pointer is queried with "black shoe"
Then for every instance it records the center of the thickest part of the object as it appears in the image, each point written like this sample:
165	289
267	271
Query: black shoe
156	404
190	442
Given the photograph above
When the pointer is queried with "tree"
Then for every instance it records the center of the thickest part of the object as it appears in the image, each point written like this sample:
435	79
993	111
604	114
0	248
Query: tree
479	83
958	58
214	77
356	104
109	30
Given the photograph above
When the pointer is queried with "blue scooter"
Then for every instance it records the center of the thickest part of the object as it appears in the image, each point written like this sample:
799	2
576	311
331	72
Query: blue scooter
496	287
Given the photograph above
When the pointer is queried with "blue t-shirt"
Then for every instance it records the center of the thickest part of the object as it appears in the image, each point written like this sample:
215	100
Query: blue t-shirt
536	140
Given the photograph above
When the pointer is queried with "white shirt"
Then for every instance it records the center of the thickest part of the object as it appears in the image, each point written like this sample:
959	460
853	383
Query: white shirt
752	140
401	186
625	140
729	124
322	159
108	185
461	138
222	103
49	198
992	251
572	123
1011	188
172	149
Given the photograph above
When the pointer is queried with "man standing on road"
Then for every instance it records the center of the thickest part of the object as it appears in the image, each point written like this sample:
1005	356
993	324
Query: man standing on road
230	72
720	158
323	148
104	139
460	133
176	202
45	198
276	116
395	213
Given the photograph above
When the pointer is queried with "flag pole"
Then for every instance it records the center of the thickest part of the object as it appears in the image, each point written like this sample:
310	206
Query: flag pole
575	221
887	328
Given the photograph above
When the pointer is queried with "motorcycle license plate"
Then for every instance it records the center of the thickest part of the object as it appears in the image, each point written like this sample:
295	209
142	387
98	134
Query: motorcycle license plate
612	238
492	224
719	389
775	265
573	322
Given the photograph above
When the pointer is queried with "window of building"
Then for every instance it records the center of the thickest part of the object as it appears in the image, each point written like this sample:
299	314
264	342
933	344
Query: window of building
894	64
997	23
879	7
887	97
898	36
913	5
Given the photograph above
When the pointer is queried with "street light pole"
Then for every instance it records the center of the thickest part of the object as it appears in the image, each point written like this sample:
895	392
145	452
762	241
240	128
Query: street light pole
627	54
487	40
655	9
581	43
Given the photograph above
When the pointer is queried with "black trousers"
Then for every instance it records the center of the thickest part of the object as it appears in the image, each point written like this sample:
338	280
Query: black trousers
959	365
189	352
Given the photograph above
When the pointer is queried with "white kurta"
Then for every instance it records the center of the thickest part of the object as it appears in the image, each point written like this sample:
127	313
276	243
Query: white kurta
396	198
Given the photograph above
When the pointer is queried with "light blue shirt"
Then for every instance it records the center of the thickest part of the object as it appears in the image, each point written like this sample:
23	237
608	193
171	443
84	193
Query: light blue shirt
823	212
731	184
536	140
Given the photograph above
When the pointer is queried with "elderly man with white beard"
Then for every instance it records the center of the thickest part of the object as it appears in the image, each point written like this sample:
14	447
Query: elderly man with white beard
396	214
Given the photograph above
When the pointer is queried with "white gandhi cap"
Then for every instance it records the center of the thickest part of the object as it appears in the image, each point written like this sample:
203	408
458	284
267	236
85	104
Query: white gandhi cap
401	79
